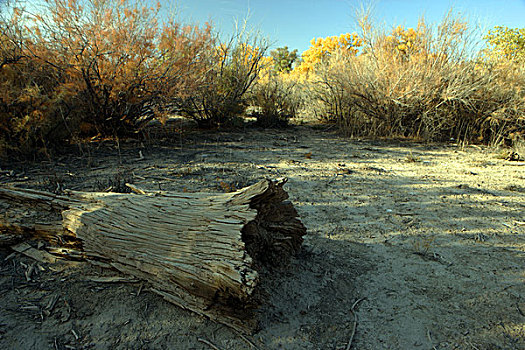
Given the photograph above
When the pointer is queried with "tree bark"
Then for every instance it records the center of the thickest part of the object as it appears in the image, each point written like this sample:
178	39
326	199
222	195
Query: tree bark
200	251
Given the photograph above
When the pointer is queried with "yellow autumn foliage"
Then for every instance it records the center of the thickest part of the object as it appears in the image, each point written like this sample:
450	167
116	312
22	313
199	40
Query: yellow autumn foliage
506	43
405	40
322	48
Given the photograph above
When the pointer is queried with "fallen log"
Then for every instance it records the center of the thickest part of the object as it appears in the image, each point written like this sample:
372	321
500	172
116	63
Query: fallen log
200	251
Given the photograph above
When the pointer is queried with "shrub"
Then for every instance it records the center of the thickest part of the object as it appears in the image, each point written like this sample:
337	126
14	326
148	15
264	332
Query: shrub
425	83
33	109
121	58
506	43
93	67
32	103
233	67
504	58
322	49
276	98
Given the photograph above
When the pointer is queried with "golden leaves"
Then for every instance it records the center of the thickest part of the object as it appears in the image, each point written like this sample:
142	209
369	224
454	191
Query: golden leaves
406	41
321	48
507	43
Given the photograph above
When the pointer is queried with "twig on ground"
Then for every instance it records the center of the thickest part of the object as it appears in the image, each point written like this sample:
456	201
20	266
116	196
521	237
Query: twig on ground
248	341
430	339
352	309
519	310
38	255
208	343
111	279
473	346
135	189
140	288
356	303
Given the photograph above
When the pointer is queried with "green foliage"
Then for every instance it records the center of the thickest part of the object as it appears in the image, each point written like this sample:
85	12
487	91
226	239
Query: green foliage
508	43
283	59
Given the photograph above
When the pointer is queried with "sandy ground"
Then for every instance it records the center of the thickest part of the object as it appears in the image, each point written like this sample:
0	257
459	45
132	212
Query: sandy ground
425	242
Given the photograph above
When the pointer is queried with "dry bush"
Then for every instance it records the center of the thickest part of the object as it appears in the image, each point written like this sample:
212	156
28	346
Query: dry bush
504	122
32	102
120	58
427	83
233	67
276	97
33	108
93	67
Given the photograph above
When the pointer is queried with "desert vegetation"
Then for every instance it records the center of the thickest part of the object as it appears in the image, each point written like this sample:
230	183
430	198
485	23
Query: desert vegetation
72	70
427	83
401	148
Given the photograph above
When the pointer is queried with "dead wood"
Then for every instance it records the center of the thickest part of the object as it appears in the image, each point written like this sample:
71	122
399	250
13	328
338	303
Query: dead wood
200	251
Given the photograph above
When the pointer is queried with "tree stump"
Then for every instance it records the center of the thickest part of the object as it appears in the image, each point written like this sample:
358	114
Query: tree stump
200	251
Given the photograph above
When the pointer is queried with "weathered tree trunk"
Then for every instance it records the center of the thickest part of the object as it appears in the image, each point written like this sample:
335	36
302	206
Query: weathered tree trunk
200	251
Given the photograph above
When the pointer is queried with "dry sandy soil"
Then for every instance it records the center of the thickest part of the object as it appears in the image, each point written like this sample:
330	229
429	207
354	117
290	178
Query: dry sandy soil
425	242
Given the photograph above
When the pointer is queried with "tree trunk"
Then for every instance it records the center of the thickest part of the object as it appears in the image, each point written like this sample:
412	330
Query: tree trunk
200	251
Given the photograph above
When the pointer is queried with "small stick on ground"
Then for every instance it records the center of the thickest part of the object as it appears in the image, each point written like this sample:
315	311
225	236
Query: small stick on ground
349	345
248	341
140	288
429	336
208	343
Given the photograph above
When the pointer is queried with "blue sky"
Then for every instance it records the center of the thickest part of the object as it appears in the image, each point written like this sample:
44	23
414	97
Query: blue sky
295	22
